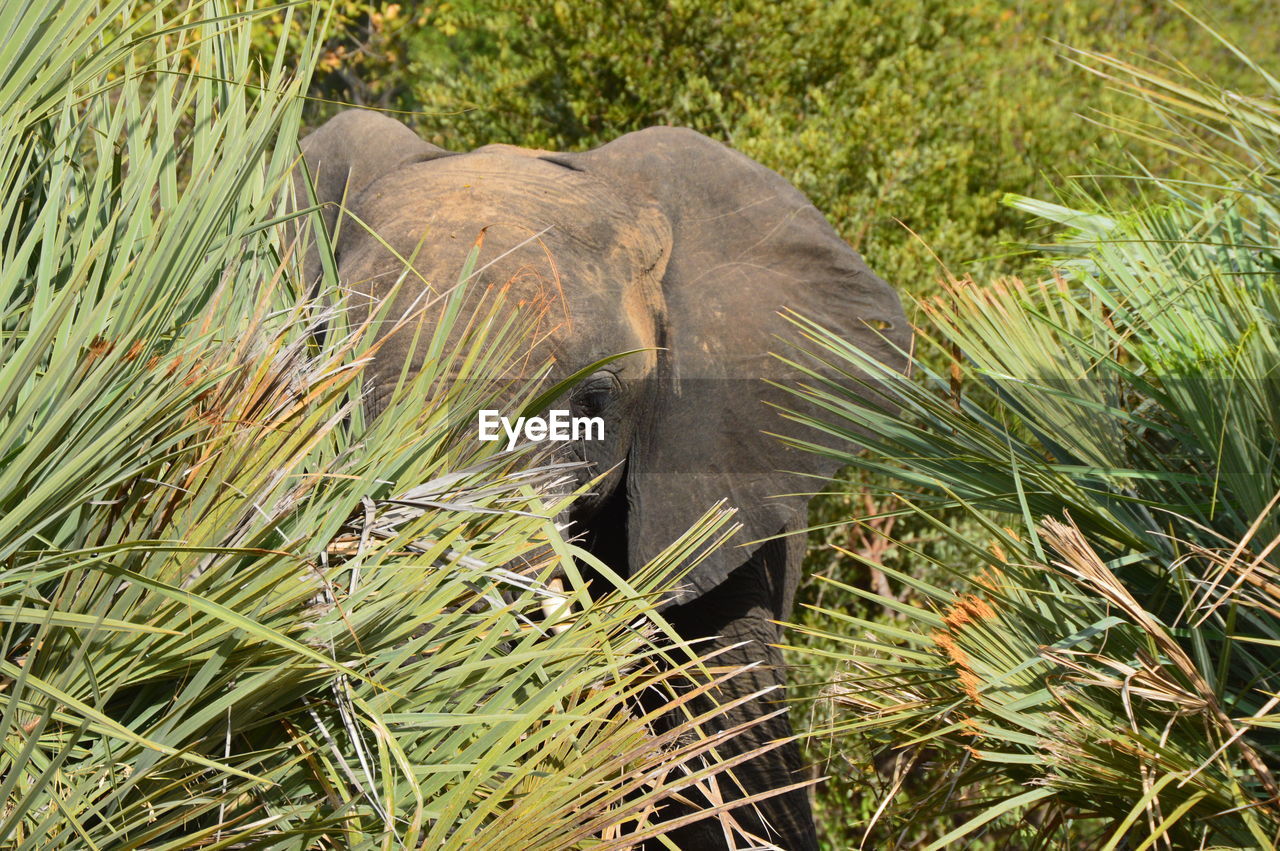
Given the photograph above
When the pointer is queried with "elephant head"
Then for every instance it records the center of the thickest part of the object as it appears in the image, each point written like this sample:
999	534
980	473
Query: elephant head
665	243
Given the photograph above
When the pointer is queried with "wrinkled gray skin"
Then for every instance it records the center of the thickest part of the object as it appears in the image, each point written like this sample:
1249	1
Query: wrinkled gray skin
662	240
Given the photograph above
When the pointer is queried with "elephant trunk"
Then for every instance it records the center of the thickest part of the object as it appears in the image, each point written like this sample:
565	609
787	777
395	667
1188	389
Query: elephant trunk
737	618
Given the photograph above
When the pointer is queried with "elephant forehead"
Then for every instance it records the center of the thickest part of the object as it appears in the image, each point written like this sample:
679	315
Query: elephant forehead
565	209
560	245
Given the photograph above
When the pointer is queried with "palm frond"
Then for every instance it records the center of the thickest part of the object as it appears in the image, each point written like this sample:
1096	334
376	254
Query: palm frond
1105	655
233	611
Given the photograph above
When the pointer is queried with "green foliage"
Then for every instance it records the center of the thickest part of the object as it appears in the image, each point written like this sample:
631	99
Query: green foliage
1112	430
922	113
233	613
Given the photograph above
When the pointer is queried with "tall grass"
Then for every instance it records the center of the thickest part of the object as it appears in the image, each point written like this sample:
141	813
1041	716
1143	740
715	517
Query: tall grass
233	612
1103	669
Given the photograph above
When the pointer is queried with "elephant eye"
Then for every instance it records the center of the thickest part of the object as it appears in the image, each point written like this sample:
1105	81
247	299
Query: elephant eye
594	396
589	403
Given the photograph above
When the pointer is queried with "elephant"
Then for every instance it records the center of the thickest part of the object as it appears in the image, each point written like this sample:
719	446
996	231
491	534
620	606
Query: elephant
672	246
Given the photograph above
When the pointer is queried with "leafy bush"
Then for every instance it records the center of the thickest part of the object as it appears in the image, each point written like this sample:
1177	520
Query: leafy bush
1111	669
887	114
232	612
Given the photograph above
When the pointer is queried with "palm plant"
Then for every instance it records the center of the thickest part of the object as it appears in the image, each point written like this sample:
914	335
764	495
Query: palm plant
232	611
1104	666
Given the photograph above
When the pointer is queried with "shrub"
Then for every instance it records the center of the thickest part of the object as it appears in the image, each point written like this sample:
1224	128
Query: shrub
1112	430
891	116
232	612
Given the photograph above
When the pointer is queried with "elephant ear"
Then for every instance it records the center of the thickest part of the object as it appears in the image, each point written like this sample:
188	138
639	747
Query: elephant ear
745	246
345	156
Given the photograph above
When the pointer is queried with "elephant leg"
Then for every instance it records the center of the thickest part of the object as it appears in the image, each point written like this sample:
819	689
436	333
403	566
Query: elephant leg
741	611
